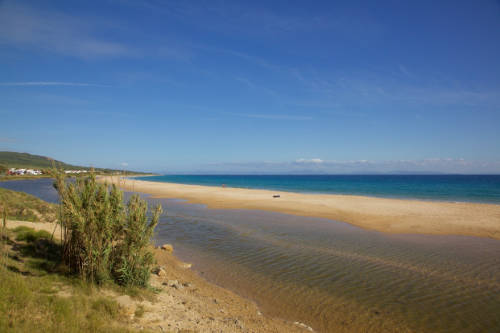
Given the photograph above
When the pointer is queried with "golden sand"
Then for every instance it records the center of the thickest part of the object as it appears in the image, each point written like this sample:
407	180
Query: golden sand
386	215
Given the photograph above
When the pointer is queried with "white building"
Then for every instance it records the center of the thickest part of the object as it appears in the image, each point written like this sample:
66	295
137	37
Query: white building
22	172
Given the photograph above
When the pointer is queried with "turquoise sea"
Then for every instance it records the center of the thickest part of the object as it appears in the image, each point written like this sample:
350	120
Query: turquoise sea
471	188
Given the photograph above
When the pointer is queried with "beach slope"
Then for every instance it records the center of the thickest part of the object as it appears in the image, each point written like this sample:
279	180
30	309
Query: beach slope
381	214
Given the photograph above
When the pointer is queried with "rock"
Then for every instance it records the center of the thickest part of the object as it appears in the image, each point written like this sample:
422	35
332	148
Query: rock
185	265
167	247
238	323
160	271
309	328
174	284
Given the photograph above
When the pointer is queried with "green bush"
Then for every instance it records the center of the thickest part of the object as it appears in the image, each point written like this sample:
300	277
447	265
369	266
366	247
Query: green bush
30	235
103	239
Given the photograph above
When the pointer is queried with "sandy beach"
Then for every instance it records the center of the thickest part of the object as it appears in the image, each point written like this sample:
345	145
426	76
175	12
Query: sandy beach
381	214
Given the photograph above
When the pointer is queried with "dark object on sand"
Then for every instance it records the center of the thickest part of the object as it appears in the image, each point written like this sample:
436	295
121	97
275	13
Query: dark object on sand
276	196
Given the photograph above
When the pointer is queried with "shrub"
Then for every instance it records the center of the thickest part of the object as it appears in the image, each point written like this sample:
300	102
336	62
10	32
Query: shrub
30	235
103	239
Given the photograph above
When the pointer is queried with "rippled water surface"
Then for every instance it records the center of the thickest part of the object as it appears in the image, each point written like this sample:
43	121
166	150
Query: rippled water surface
336	277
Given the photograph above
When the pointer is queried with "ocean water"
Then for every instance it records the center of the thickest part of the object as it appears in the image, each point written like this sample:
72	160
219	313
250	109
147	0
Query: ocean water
469	188
333	276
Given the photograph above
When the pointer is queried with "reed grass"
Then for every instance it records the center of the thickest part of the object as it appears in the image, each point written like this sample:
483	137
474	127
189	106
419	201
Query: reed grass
103	239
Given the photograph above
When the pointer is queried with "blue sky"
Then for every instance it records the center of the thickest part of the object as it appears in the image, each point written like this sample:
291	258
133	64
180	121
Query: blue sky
256	86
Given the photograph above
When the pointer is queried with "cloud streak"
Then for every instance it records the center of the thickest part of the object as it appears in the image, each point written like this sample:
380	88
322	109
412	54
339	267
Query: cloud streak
319	166
56	32
270	116
312	160
7	140
51	83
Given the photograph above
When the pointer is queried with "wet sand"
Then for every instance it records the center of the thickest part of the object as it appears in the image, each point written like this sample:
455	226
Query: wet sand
380	214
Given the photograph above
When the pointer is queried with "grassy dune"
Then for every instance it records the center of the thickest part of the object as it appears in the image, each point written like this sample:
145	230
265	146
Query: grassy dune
36	294
26	207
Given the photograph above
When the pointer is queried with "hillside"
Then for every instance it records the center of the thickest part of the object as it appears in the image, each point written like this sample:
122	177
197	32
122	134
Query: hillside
25	160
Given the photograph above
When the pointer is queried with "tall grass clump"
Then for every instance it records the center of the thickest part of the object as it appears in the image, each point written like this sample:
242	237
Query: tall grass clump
102	238
3	236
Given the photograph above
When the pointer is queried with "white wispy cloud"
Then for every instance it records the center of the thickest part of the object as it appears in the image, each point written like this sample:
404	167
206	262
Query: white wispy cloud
270	116
52	83
319	166
258	87
56	32
7	140
371	88
312	160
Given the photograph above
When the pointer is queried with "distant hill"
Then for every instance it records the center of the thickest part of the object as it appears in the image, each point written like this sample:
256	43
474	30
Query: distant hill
25	160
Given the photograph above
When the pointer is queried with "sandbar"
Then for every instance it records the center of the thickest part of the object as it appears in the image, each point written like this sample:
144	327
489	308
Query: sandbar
374	213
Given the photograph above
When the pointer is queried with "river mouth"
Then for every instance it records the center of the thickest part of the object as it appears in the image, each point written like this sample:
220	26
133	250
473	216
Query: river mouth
333	276
337	277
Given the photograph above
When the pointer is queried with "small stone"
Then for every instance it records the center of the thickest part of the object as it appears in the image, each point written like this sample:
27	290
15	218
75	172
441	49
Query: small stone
160	271
309	328
172	283
167	247
185	265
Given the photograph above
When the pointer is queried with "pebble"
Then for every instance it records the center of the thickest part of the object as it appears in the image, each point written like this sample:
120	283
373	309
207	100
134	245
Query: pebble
167	247
309	328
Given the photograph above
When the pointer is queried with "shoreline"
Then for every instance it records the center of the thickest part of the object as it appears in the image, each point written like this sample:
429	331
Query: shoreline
184	300
399	216
395	197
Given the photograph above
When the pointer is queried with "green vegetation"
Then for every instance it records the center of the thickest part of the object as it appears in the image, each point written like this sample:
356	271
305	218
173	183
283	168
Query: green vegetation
102	239
35	296
48	284
26	207
30	235
24	160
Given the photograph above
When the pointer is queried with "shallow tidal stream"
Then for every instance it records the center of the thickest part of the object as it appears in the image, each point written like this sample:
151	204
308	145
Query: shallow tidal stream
337	277
333	276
